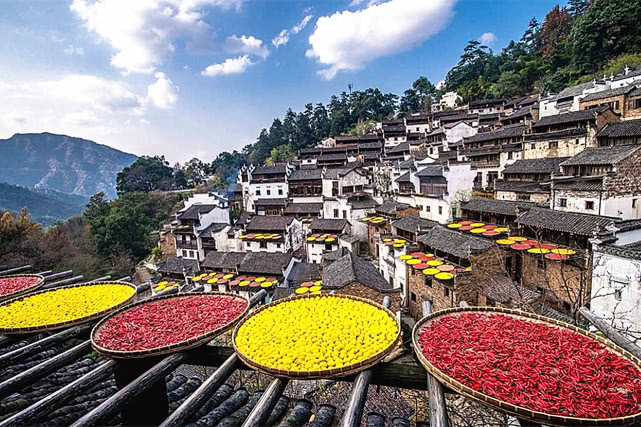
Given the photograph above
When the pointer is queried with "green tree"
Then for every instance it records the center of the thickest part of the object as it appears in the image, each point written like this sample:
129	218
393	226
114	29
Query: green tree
97	207
145	174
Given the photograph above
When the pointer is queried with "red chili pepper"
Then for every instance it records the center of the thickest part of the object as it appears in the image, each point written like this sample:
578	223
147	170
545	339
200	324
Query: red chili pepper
10	285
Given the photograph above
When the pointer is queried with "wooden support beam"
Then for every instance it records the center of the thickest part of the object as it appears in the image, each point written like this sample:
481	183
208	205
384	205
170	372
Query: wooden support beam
39	371
100	279
45	343
65	282
56	399
15	270
58	276
44	273
182	415
438	408
356	404
259	415
611	332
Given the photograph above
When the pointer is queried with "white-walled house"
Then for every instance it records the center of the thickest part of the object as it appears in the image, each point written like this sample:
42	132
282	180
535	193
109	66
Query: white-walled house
269	182
344	181
191	222
284	234
352	208
324	237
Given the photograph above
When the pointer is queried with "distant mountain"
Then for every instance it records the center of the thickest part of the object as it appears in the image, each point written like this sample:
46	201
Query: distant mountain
62	163
45	206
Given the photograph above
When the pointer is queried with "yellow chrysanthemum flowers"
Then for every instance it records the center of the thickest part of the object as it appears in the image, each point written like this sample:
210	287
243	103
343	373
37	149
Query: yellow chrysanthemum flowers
63	305
313	334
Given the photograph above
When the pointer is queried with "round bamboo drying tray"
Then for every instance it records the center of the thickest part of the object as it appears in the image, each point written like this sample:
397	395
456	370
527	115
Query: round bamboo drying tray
325	373
519	411
78	321
25	290
172	348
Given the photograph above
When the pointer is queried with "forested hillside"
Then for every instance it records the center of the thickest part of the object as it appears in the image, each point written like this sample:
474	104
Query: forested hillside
585	39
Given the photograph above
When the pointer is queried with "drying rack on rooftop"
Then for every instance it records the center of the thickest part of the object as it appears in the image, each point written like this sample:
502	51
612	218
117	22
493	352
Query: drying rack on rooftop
138	393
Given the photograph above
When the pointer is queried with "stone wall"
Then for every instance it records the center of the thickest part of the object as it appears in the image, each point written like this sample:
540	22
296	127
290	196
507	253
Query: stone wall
360	290
627	179
167	244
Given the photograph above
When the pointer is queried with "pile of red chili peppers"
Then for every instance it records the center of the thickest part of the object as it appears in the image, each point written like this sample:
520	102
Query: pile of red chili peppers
168	321
533	365
12	285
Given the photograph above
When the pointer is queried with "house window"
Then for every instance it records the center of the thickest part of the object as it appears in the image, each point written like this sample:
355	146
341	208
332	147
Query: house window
258	191
278	245
617	294
185	253
428	282
335	213
269	192
509	155
634	203
567	306
446	291
263	245
280	191
589	205
554	144
428	208
328	247
540	264
563	203
413	296
576	141
440	210
191	254
533	146
344	214
391	281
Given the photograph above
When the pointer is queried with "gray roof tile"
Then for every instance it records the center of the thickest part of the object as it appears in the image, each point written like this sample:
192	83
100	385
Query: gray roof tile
621	129
350	268
568	222
602	155
455	243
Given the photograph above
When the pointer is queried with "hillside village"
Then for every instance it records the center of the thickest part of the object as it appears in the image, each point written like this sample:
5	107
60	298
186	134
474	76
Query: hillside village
529	203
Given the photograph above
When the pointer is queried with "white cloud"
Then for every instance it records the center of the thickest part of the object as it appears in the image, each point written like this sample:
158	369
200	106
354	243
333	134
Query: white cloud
246	44
487	39
348	40
283	37
143	122
73	50
229	66
144	32
356	3
163	93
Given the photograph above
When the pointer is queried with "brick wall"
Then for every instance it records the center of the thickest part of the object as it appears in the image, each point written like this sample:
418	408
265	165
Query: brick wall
411	211
627	179
371	236
167	243
584	105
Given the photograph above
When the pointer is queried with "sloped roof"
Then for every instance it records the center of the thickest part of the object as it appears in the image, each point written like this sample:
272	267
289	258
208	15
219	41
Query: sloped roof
522	112
506	291
573	116
412	224
455	243
175	265
269	223
404	178
400	148
305	175
350	268
271	202
630	251
265	263
336	173
223	260
194	211
430	170
529	166
495	206
607	93
602	155
588	183
303	208
390	207
621	129
269	170
361	202
244	218
331	225
304	272
504	132
336	156
214	227
569	222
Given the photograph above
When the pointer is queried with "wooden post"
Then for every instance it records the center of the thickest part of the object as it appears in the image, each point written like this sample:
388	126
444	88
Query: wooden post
438	408
259	415
57	276
610	332
59	283
15	270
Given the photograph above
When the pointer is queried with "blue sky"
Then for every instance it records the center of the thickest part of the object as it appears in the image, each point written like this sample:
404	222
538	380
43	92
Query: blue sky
189	78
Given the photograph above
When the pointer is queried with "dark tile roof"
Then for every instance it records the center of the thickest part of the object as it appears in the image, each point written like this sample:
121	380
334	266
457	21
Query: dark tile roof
332	157
194	211
522	187
580	184
175	265
607	93
244	218
529	166
431	170
489	101
214	227
271	202
502	133
390	207
494	206
350	268
329	225
412	224
621	129
630	251
223	260
574	90
458	117
265	263
569	222
400	148
269	223
602	155
361	202
306	175
269	170
574	116
304	272
303	208
404	178
519	113
504	290
336	173
455	243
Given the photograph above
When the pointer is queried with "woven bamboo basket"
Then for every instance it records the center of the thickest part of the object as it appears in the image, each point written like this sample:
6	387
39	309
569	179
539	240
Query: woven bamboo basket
325	373
78	321
172	348
518	411
25	290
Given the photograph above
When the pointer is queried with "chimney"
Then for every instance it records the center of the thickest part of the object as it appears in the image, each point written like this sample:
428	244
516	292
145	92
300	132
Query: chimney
626	70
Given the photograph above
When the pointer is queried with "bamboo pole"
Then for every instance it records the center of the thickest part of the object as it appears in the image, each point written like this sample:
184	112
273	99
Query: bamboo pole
610	332
438	408
15	270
